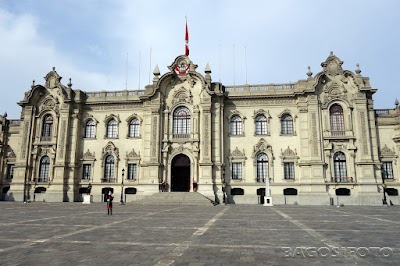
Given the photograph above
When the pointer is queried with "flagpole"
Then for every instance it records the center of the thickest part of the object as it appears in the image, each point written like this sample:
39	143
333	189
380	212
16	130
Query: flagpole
140	53
245	61
234	84
149	66
126	72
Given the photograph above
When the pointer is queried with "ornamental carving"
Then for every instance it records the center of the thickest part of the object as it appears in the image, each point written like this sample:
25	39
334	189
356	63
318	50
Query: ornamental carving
132	154
387	152
289	152
332	65
262	146
88	156
237	154
109	149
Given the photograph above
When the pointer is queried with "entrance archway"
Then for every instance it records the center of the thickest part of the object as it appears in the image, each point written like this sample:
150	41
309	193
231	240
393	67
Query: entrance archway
180	173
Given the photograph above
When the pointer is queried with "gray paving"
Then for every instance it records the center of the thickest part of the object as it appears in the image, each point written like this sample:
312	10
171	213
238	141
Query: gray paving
77	234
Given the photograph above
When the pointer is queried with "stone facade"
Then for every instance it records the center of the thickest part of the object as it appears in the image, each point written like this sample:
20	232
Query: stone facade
318	141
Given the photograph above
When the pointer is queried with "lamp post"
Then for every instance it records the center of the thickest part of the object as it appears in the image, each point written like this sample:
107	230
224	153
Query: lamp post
385	174
121	202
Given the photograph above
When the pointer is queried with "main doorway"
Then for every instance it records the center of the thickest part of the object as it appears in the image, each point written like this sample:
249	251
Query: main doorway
180	173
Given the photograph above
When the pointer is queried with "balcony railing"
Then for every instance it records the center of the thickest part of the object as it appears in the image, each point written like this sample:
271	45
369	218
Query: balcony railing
338	134
260	180
342	179
181	136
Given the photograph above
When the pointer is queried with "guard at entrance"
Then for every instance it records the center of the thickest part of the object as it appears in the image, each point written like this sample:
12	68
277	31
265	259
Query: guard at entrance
109	200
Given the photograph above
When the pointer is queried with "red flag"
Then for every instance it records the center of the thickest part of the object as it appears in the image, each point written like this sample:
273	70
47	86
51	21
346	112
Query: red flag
187	41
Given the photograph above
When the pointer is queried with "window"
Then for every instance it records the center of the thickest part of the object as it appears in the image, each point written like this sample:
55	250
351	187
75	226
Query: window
387	170
112	130
261	125
236	171
90	129
336	117
134	127
44	169
339	162
132	171
47	126
286	124
262	167
236	125
288	169
181	120
87	171
109	169
10	171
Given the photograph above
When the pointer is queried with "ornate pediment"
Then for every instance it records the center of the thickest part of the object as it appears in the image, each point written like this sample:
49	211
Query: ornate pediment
110	149
49	104
332	65
387	152
52	79
236	153
262	146
181	66
289	152
183	96
132	154
88	156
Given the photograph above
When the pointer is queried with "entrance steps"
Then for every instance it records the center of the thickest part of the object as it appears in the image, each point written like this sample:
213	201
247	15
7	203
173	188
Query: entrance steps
177	198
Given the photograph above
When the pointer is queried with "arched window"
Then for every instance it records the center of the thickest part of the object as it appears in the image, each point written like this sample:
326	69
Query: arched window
47	126
44	169
339	162
90	129
181	121
134	127
262	167
112	129
236	125
337	120
261	125
109	169
286	124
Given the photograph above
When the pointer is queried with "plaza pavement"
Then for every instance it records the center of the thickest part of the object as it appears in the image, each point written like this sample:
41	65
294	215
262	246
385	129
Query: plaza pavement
77	234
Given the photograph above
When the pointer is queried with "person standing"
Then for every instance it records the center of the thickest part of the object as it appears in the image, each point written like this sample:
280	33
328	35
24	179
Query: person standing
109	200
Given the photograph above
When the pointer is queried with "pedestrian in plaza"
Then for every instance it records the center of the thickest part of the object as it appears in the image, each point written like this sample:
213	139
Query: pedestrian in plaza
109	200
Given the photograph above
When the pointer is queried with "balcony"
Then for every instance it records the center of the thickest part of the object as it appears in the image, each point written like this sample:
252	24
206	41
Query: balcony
342	179
339	134
181	136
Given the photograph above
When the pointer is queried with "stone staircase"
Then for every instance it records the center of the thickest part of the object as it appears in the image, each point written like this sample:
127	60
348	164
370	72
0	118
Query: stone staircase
177	198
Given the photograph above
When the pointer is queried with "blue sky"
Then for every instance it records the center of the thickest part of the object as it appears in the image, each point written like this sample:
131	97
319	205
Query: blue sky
89	40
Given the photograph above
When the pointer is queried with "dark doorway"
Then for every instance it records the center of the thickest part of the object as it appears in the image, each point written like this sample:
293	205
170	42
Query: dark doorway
105	191
180	173
261	195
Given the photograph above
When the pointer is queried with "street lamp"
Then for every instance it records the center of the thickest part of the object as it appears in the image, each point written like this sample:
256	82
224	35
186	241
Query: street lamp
121	202
385	174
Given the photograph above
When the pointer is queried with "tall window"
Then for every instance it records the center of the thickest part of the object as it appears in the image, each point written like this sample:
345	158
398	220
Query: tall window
134	127
261	125
339	162
236	125
90	129
288	169
10	171
286	124
47	126
236	170
181	120
262	167
132	171
44	169
112	129
387	170
109	169
336	117
87	171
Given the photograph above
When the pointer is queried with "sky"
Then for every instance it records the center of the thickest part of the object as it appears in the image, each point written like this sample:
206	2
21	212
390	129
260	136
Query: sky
112	44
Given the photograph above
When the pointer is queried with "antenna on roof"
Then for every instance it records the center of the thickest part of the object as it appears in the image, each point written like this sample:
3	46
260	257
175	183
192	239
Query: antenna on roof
219	65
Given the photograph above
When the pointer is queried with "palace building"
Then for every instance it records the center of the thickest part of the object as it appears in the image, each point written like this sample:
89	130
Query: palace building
317	141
